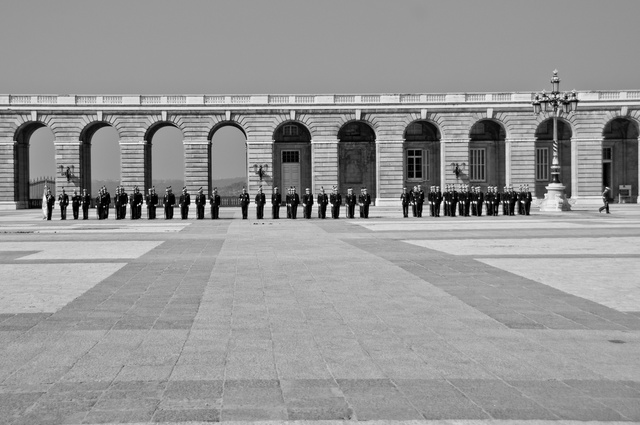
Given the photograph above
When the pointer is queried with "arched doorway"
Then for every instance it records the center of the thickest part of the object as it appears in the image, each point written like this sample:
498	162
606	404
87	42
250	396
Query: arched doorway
620	157
292	157
487	154
544	156
421	155
35	164
228	159
357	158
165	157
100	157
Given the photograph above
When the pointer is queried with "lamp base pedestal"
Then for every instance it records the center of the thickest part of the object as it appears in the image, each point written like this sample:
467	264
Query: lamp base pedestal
555	199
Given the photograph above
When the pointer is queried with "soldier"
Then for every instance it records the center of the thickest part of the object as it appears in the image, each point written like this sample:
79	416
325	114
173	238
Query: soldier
404	200
106	203
63	201
454	201
366	201
438	201
51	201
461	200
467	202
480	198
513	199
488	199
117	202
168	201
295	201
276	200
497	200
201	201
360	204
260	201
323	200
336	201
505	201
446	196
136	204
307	203
99	204
351	203
75	203
244	203
413	197
214	201
86	202
288	201
185	201
527	200
151	206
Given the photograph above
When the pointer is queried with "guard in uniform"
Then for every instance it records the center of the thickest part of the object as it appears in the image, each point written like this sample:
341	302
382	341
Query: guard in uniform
260	200
360	204
51	201
106	204
504	197
404	200
185	201
480	200
137	203
527	200
244	203
117	202
214	201
152	202
488	199
168	202
99	204
446	196
366	202
201	200
86	202
276	200
351	203
336	201
295	201
288	201
497	200
63	201
75	203
513	199
438	201
461	200
307	203
323	200
413	196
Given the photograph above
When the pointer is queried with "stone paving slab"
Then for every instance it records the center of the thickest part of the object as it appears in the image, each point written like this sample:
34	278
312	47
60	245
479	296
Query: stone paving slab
321	322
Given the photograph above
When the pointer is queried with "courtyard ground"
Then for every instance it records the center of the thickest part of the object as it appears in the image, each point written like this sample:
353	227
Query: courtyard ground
417	320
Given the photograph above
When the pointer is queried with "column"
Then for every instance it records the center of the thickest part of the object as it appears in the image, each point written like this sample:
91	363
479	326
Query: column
520	162
389	171
260	152
324	163
197	165
454	151
68	155
10	176
135	169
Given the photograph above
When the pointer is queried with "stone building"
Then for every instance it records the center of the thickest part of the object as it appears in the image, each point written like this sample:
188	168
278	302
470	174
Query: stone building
381	141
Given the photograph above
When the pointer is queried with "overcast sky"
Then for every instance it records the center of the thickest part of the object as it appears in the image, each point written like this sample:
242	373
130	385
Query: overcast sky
297	46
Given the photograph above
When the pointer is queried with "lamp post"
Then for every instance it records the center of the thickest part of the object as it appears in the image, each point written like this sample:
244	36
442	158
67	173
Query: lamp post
556	103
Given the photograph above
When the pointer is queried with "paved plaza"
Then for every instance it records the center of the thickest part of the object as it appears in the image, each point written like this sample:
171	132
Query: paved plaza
417	320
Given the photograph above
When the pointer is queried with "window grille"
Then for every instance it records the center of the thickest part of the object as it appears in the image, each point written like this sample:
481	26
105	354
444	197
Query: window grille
542	164
290	156
477	164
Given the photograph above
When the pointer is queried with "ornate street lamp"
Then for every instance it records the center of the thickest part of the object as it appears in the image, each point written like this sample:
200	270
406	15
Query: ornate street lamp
556	103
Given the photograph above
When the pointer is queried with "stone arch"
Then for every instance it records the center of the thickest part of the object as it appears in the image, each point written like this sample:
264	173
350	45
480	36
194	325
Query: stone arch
151	132
292	155
216	149
620	156
487	154
22	137
357	156
218	125
86	138
421	153
544	154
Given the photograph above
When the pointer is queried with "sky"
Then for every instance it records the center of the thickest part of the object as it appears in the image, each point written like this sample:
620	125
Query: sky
301	46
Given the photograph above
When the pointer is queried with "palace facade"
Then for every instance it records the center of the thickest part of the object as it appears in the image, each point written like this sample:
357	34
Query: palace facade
381	141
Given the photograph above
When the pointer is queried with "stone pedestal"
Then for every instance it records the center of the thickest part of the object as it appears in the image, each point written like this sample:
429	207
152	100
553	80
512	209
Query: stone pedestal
555	199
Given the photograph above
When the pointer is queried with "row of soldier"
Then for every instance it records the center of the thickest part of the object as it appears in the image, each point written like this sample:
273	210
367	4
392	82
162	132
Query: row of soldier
467	201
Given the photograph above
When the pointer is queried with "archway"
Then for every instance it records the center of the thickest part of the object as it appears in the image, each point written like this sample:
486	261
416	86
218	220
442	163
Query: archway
100	161
421	154
35	164
292	156
620	157
165	157
487	154
544	156
357	157
228	160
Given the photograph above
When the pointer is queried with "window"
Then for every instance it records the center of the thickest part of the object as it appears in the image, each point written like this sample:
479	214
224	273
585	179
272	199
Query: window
290	156
417	164
542	164
477	164
606	154
290	130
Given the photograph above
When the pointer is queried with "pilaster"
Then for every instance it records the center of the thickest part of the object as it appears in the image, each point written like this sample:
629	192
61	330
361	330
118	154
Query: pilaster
136	165
389	171
520	167
259	152
9	199
197	165
324	163
586	171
